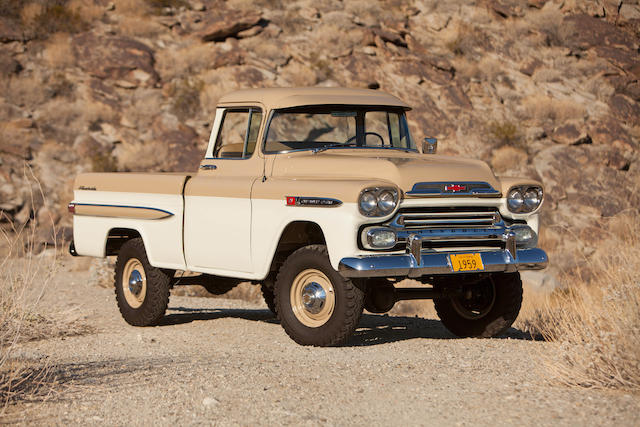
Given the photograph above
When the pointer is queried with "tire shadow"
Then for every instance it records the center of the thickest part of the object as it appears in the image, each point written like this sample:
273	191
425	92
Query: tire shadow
182	315
373	329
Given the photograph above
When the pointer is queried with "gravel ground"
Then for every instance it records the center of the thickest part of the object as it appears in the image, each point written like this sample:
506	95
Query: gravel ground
216	361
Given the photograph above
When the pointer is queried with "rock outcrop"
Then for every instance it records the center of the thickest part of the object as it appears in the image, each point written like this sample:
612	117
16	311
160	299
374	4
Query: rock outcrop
542	88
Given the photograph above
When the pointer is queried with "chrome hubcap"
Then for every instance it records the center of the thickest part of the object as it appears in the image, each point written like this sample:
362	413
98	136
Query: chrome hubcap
135	282
313	297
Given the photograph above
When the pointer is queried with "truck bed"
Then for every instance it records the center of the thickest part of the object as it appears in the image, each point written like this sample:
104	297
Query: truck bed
150	204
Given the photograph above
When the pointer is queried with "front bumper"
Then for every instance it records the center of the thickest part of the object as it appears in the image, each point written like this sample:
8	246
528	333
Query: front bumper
416	264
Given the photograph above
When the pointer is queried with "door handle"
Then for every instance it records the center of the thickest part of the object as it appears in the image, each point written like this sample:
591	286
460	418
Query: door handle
208	167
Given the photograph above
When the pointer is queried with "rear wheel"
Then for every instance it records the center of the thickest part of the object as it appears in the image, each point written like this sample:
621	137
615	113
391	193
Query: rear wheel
315	304
142	291
486	309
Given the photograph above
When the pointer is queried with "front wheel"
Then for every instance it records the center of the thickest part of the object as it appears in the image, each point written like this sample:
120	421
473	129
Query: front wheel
315	304
142	291
486	309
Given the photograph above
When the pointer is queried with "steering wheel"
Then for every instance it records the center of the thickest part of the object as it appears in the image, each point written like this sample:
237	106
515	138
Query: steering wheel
365	137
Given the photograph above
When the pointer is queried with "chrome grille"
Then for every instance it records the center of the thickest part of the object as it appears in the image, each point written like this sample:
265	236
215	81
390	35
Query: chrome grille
446	217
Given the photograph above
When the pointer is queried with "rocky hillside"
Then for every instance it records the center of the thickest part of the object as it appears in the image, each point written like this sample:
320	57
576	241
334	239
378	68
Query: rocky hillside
544	89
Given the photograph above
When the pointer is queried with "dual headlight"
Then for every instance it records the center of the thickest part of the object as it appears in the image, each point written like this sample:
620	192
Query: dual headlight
378	201
524	199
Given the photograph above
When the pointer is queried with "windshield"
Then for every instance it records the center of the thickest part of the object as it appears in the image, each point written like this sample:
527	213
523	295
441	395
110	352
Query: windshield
315	129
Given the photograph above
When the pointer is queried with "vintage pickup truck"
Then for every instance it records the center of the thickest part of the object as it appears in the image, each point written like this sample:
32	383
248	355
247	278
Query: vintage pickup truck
321	196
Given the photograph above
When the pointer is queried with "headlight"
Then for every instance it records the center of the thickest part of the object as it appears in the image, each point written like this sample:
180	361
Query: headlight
378	201
524	199
379	238
525	236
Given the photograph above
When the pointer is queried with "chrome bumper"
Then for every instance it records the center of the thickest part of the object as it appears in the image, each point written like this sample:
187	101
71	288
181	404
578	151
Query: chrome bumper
416	264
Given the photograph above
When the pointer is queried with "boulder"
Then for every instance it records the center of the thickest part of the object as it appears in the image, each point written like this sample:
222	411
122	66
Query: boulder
228	24
625	109
116	58
569	134
582	32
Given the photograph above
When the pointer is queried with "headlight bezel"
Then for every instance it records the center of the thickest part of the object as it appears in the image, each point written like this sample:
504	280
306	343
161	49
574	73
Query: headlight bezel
378	210
524	205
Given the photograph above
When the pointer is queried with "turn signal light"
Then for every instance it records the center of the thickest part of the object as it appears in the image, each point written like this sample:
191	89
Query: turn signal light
72	208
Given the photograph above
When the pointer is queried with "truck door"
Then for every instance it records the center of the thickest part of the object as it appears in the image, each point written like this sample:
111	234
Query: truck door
217	227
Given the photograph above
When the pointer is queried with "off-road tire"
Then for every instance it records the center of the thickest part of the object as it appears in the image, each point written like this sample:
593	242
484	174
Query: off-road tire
269	297
508	300
158	285
349	300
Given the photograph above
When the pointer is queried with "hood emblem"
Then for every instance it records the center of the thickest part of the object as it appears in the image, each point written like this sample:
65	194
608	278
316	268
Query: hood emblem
454	188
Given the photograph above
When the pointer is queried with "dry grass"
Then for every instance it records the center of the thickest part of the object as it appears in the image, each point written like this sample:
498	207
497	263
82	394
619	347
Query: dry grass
544	109
596	319
26	271
23	278
58	52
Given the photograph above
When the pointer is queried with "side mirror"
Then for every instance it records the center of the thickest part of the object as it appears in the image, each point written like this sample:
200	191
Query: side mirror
429	146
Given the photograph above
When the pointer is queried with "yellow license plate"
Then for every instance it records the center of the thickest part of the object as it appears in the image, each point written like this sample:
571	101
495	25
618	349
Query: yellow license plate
466	262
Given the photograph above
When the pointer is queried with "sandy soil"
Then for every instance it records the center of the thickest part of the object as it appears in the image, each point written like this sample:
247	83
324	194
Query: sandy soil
216	361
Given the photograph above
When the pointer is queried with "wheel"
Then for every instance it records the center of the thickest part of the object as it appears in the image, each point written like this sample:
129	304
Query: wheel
269	297
315	304
142	291
486	309
218	285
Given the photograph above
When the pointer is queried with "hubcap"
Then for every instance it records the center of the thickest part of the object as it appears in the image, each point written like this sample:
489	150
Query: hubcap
134	283
312	298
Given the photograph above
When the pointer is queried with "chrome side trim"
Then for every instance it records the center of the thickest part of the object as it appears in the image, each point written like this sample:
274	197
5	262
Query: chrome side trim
120	211
436	263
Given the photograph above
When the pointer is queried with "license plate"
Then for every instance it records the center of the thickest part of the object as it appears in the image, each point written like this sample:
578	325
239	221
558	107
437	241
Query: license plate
466	262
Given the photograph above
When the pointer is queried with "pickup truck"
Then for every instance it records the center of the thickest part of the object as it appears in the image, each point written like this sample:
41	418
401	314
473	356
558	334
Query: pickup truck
322	197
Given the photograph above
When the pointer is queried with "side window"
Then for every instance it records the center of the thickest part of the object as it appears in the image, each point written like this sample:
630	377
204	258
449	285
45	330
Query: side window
238	134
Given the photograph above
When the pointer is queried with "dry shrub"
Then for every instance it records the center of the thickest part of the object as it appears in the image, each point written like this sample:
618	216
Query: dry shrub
58	52
466	39
26	90
596	320
53	17
136	27
548	21
87	10
176	63
132	7
543	108
504	133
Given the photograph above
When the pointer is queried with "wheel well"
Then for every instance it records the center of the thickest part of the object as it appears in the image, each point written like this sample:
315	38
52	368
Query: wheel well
296	235
117	237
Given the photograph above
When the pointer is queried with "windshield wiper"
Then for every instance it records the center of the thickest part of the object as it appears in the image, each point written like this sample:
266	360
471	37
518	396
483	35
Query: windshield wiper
334	145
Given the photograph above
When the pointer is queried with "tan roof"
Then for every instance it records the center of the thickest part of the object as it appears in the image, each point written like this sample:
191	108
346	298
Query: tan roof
273	98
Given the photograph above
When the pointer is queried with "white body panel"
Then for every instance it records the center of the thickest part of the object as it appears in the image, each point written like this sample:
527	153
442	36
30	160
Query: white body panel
162	237
217	234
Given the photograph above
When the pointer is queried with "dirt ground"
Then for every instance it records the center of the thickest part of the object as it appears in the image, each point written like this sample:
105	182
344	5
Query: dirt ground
228	362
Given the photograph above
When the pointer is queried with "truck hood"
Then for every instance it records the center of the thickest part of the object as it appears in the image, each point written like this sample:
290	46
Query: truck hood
398	167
